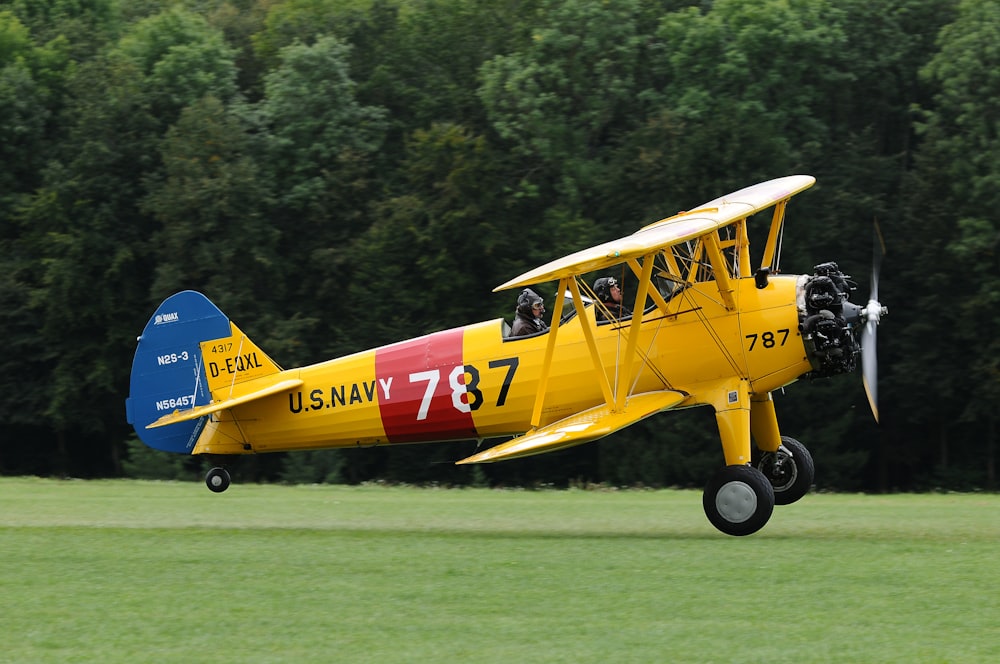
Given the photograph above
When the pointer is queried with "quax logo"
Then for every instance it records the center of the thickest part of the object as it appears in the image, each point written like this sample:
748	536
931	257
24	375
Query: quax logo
166	318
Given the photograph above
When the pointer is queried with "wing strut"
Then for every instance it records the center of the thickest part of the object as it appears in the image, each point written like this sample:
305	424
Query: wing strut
770	258
633	332
614	396
550	346
568	283
658	299
719	269
588	333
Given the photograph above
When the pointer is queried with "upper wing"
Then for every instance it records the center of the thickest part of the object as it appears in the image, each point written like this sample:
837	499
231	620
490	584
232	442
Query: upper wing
583	427
668	232
765	194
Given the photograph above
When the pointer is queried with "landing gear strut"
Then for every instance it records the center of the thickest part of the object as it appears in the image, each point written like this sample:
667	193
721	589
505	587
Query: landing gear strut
738	500
217	479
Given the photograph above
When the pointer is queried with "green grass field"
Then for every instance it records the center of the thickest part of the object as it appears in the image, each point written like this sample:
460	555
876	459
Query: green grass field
129	571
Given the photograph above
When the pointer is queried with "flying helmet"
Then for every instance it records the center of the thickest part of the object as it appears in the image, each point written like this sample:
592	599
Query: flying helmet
602	288
528	299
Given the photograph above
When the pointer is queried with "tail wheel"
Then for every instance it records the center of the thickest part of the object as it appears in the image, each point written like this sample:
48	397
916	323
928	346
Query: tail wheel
790	470
217	479
738	500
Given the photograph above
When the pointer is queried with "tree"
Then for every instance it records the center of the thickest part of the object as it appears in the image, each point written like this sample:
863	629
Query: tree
320	147
298	157
423	64
314	117
22	115
182	59
82	27
295	21
958	162
558	100
211	202
436	250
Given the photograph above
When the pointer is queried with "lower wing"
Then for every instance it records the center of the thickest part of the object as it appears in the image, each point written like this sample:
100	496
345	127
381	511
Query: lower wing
582	427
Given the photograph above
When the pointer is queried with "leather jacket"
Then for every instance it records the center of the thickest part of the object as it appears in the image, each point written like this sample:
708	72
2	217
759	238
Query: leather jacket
615	310
527	325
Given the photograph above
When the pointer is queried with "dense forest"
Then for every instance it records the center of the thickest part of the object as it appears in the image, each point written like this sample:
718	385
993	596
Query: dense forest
337	174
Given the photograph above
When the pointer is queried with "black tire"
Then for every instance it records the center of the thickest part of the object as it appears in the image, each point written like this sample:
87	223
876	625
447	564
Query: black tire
738	500
217	479
790	471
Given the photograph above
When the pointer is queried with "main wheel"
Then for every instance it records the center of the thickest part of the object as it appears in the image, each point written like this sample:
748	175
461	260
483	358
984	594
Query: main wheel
738	500
790	470
217	479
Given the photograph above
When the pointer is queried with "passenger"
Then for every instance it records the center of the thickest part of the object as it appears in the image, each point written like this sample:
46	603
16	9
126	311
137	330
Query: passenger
609	293
528	316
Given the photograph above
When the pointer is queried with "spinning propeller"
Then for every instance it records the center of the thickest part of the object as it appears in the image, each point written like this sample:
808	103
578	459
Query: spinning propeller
870	315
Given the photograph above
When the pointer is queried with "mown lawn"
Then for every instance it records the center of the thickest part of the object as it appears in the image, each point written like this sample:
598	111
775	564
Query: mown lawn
129	571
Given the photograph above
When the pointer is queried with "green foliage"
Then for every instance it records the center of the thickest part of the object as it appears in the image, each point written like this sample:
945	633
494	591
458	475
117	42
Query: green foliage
314	117
338	174
960	149
182	59
23	118
679	451
81	27
315	467
767	65
145	463
319	145
558	99
409	252
86	238
423	61
211	203
14	38
31	79
296	21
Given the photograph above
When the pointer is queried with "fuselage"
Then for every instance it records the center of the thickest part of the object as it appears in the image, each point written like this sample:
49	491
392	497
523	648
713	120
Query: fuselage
477	382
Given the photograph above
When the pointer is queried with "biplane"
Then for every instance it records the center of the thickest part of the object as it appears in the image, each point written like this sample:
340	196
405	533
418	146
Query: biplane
707	328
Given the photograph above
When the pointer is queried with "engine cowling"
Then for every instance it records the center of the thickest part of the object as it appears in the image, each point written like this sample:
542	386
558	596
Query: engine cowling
829	322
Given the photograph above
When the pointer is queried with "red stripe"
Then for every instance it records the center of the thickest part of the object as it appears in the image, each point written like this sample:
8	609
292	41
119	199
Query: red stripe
408	369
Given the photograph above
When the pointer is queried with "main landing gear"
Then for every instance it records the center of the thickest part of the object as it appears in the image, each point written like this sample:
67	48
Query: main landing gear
739	499
217	479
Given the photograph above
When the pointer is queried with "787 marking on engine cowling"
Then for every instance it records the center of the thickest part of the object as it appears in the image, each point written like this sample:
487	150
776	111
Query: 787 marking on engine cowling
769	339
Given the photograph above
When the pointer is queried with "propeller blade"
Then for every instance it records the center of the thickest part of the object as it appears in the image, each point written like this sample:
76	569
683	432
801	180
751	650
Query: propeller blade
872	316
869	364
878	251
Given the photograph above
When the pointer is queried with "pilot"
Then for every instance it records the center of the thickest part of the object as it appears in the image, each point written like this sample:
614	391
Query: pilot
528	316
609	292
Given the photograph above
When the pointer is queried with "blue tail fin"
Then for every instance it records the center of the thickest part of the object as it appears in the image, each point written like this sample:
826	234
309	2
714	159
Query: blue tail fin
168	372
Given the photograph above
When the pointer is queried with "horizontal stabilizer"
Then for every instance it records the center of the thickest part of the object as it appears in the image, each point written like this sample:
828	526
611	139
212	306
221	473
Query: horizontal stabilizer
208	409
582	427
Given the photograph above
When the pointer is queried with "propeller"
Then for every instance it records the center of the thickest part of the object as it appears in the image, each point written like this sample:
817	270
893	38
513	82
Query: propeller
871	314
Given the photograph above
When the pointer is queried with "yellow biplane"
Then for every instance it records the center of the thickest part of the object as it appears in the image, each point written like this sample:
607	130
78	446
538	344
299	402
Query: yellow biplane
708	329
